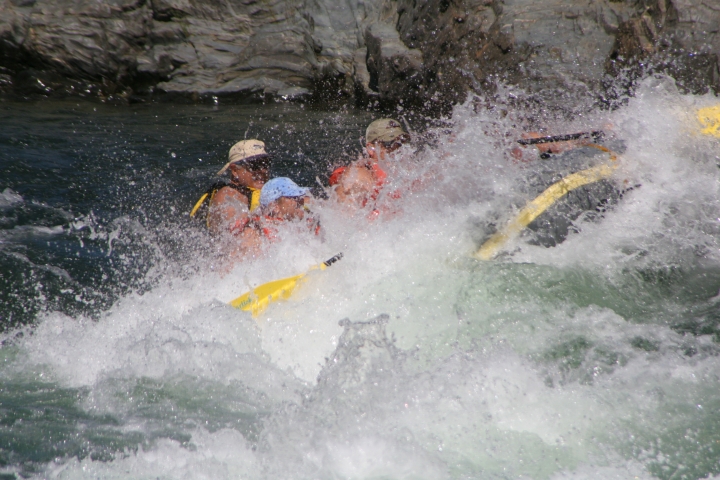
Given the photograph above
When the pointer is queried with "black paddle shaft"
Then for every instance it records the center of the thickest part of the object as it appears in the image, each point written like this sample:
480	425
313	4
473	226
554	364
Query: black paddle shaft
596	136
332	260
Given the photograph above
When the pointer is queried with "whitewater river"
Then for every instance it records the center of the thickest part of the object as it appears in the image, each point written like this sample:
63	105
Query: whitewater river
408	359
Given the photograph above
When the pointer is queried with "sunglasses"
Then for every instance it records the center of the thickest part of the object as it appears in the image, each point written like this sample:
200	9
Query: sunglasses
395	144
300	201
258	165
391	147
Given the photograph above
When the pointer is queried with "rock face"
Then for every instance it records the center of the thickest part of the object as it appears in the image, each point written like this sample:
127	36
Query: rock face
560	50
428	53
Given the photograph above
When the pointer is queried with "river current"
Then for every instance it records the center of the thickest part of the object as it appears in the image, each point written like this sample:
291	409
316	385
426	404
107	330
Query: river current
596	358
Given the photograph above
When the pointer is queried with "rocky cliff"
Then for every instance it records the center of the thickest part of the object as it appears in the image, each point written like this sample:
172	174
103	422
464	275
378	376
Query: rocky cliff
386	52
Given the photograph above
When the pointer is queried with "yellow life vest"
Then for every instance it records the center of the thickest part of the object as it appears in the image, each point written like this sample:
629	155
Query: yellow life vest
252	194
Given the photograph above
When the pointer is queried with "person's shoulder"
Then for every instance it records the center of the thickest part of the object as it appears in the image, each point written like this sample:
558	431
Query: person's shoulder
231	190
228	193
343	169
336	174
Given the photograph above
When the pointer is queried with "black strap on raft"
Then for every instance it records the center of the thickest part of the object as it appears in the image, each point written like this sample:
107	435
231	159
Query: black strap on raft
596	136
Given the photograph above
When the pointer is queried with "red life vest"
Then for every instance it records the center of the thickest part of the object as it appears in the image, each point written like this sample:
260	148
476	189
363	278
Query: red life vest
240	225
377	172
264	225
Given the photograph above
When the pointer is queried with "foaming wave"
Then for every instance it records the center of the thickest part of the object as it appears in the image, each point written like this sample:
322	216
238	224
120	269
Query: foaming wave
670	216
220	455
8	198
557	362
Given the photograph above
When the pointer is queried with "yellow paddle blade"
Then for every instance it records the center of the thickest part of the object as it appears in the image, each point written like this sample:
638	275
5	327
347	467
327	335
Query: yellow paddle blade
258	299
709	118
533	209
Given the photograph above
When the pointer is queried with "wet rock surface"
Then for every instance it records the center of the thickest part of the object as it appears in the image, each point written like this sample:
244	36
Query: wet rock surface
378	52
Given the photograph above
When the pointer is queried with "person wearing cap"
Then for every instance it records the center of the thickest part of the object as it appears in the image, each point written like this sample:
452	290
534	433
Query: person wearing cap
361	182
231	202
533	144
281	200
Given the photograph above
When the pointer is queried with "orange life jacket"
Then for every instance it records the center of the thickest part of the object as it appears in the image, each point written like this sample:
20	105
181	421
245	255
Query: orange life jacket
377	173
264	225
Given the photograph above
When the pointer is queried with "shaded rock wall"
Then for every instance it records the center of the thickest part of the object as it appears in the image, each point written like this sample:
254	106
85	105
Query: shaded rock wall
175	46
559	51
386	52
679	37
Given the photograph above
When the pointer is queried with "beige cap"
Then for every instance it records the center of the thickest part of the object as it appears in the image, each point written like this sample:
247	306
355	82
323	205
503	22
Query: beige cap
384	130
245	151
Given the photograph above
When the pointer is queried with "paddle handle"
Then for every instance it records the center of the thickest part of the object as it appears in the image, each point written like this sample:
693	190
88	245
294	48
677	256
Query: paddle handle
596	136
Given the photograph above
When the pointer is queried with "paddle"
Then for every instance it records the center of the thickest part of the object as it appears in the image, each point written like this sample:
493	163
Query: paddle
709	118
596	136
260	297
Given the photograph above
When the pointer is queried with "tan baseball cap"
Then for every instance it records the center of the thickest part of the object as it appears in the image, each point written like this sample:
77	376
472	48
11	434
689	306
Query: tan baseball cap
245	151
385	130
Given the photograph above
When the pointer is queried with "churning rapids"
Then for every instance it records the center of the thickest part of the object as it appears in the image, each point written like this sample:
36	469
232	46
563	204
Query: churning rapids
597	358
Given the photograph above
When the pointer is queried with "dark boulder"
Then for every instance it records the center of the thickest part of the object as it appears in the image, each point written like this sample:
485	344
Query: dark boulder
395	71
680	38
560	53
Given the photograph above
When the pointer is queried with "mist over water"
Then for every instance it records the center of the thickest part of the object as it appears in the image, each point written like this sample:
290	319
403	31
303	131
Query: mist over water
596	358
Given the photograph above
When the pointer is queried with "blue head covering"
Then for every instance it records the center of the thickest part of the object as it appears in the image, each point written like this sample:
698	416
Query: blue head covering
280	187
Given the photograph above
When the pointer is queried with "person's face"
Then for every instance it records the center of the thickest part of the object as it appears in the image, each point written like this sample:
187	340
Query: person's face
290	208
379	150
376	151
253	174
